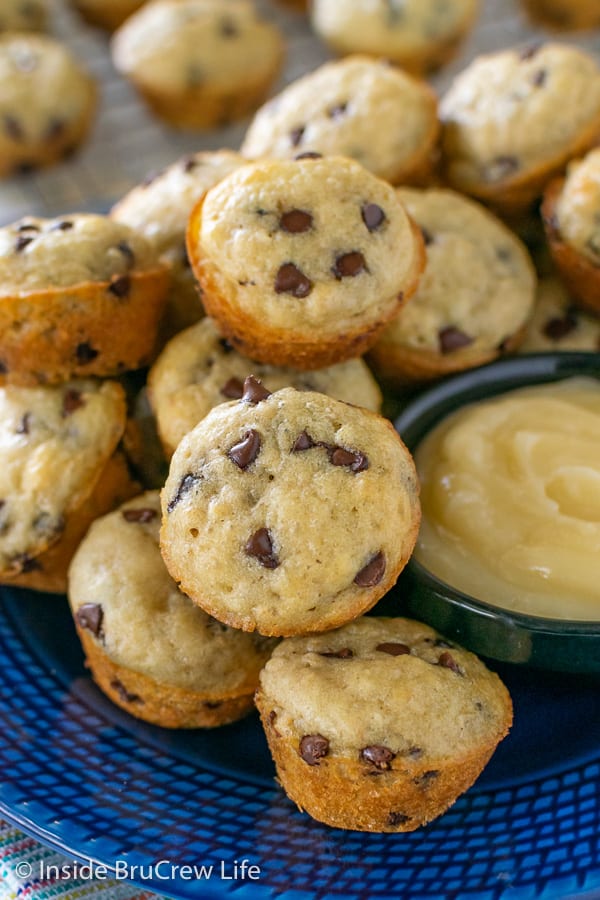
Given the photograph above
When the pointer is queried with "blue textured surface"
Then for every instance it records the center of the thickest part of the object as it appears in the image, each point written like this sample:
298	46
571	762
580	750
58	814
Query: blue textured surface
85	777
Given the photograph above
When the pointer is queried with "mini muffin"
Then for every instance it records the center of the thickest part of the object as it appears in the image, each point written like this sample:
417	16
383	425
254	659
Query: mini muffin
107	14
47	102
199	369
557	324
199	63
148	647
356	107
80	295
474	299
513	119
380	725
571	214
419	35
56	471
323	257
565	15
24	15
290	512
159	208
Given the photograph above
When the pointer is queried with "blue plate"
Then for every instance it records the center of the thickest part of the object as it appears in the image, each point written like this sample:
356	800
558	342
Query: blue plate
87	779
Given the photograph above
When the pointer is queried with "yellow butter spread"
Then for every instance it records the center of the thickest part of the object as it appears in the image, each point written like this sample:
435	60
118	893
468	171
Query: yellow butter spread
510	492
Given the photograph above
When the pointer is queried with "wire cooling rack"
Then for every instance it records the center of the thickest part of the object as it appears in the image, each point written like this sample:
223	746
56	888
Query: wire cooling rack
127	142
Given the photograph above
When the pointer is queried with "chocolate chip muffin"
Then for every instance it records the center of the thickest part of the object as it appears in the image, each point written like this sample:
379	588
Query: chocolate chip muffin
356	107
474	299
418	35
79	295
571	214
380	725
148	647
159	208
107	14
290	512
564	14
47	104
513	119
323	257
58	470
557	324
199	63
24	15
199	369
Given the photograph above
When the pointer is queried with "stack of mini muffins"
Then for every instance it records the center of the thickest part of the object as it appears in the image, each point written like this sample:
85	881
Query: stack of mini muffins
291	506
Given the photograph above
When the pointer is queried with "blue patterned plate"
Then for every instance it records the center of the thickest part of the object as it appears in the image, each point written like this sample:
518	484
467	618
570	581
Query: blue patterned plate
84	777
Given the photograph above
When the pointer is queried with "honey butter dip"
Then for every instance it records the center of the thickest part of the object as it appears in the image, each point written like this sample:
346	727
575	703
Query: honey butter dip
510	493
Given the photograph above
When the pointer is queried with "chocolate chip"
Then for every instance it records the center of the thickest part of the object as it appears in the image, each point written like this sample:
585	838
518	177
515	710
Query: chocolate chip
502	167
291	280
23	427
425	779
397	818
85	353
447	661
63	225
142	515
337	111
72	401
427	236
344	653
254	390
120	286
539	79
123	693
309	154
350	459
22	242
260	546
56	129
3	368
378	756
349	265
13	127
225	346
90	616
372	215
23	564
372	573
245	452
228	29
558	327
127	252
233	389
393	648
296	135
213	704
313	747
296	221
185	486
303	442
26	226
451	339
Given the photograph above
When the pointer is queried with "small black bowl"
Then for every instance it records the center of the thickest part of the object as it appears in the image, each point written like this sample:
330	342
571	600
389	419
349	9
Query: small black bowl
489	630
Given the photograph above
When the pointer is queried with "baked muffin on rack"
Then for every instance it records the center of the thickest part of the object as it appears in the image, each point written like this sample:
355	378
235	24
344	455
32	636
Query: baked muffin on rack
198	369
358	107
571	214
513	119
564	15
24	15
474	299
60	467
419	35
47	103
107	14
80	295
199	63
159	209
289	513
380	725
149	648
324	256
557	324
